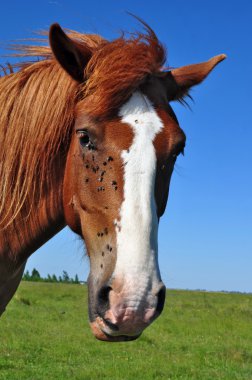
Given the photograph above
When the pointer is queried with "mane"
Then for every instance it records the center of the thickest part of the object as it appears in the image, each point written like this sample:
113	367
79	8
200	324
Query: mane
36	118
38	105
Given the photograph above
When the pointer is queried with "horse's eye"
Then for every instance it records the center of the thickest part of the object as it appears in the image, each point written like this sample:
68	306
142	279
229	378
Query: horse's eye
83	137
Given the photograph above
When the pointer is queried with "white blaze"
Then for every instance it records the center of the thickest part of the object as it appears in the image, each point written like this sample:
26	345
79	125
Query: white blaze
138	225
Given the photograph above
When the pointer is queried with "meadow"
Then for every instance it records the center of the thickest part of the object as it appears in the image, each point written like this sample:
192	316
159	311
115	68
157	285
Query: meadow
44	334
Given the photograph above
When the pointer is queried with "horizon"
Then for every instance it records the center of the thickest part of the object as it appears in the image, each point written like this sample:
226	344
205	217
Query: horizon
84	282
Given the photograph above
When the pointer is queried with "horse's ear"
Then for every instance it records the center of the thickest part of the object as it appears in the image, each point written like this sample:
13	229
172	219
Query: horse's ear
71	55
180	80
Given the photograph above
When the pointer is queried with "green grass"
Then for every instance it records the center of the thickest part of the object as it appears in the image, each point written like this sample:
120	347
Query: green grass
44	334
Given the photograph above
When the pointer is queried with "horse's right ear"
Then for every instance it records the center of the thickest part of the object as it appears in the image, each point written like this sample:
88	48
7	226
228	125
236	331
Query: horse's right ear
71	55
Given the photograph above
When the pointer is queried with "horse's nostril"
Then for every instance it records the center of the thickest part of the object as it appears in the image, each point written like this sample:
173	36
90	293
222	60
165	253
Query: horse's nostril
103	299
103	294
161	299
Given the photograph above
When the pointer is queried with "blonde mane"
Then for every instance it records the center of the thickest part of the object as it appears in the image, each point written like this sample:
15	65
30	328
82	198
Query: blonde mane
38	107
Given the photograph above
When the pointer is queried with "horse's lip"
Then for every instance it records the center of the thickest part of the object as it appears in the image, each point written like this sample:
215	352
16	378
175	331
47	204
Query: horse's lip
102	332
120	338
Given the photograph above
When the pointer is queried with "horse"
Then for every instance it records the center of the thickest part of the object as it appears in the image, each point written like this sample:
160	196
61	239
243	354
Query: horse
89	140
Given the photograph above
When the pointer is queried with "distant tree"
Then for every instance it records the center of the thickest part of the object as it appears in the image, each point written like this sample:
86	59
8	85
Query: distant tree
49	278
26	276
35	276
54	278
65	277
76	279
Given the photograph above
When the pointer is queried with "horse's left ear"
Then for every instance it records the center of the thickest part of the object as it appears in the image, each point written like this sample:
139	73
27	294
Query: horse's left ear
180	80
71	55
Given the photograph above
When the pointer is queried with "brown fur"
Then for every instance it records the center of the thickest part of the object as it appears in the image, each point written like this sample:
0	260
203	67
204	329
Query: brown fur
37	108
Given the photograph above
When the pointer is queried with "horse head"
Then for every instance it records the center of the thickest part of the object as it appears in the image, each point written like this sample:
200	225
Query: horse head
124	145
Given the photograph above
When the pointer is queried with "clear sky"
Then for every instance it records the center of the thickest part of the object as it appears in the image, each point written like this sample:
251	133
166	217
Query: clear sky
205	238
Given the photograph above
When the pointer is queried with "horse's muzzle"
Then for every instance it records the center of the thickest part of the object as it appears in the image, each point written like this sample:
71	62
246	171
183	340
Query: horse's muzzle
99	328
119	317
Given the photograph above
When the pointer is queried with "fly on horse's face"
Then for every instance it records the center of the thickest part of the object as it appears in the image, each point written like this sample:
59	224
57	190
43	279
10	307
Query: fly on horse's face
116	186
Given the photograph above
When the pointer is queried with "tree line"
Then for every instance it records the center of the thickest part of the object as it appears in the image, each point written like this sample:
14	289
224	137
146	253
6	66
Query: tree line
35	276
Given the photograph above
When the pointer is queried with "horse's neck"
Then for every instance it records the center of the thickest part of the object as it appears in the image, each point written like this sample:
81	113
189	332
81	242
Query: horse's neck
27	232
23	237
30	230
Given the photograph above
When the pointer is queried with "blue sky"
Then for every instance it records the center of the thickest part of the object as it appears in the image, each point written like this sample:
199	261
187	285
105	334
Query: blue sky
205	238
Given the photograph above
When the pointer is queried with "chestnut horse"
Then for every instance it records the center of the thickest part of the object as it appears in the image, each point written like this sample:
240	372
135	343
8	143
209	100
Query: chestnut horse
89	140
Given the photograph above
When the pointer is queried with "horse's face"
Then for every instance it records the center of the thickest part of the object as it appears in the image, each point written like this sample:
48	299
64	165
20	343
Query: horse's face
116	186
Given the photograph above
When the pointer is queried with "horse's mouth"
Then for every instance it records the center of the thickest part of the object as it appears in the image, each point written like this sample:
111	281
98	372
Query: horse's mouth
103	332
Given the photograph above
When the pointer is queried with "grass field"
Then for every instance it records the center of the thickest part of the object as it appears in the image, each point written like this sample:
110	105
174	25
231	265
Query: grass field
44	334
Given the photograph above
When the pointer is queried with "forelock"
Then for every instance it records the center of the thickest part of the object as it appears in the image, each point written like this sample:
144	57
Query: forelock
118	68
